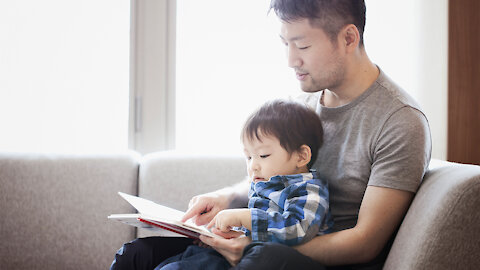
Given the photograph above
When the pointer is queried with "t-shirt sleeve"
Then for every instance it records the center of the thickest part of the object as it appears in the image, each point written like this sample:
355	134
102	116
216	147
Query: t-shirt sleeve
402	151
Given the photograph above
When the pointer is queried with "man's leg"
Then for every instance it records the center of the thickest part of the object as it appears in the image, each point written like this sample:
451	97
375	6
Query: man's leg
275	256
147	253
195	257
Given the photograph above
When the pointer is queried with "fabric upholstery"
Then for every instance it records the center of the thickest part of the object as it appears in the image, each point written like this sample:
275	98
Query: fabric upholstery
442	227
54	208
173	178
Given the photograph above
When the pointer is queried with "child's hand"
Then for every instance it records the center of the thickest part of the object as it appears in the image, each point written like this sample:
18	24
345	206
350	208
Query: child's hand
229	234
225	220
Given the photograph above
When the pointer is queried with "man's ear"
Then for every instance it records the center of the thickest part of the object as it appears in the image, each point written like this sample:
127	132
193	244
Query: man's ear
304	155
350	37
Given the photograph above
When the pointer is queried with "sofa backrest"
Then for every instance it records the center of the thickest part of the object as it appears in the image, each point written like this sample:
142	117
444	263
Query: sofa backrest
54	208
442	227
172	178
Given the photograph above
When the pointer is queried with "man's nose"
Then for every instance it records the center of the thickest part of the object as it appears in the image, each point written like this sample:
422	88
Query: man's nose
294	60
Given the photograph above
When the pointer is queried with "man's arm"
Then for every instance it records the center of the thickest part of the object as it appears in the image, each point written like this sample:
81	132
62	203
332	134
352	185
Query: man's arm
381	212
204	207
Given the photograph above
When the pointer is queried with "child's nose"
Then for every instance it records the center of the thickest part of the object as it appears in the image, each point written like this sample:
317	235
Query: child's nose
255	165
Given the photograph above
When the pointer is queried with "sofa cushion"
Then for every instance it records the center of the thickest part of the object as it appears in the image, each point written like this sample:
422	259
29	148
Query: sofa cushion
442	227
54	209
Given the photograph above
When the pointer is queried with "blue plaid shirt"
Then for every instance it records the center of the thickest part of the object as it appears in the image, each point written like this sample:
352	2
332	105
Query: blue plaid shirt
289	209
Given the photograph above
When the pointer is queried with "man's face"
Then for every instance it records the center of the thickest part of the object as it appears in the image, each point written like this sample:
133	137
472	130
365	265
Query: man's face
317	62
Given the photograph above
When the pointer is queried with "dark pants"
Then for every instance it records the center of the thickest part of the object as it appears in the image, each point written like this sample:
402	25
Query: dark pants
148	253
267	255
195	258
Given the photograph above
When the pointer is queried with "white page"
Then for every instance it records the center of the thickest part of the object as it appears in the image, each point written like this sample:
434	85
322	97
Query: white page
151	209
154	212
132	220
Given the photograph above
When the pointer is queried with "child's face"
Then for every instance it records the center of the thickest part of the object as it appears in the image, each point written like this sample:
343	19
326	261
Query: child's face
267	158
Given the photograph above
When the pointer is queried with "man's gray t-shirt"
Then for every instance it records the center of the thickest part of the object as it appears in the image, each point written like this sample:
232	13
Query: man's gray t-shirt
382	138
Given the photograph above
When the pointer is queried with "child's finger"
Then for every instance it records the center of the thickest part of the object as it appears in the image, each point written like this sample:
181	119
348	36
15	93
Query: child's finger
212	223
227	235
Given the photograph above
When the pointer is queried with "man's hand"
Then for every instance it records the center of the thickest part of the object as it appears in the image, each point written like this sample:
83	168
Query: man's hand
226	219
231	249
203	208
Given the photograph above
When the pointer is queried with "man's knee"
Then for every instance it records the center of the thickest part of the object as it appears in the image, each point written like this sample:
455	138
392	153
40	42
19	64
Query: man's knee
146	253
133	253
124	256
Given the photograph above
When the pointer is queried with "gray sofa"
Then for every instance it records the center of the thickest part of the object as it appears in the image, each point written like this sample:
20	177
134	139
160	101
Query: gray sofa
54	208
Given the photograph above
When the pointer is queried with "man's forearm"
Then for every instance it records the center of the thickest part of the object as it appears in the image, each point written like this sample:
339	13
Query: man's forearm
338	248
238	194
380	214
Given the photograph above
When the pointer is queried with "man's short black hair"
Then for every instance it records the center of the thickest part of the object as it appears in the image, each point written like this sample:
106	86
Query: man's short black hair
292	123
330	15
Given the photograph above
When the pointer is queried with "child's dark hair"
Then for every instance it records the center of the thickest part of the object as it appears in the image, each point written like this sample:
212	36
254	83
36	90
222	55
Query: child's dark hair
292	123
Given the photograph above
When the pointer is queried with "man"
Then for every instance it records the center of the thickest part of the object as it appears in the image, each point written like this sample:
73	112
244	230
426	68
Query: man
376	144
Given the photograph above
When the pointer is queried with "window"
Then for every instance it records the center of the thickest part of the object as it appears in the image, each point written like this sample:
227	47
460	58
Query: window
229	61
198	69
64	75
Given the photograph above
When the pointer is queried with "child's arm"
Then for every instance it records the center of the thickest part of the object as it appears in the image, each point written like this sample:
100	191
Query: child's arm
225	220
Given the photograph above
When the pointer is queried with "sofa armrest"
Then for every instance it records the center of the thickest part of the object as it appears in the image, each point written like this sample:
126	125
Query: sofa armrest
442	227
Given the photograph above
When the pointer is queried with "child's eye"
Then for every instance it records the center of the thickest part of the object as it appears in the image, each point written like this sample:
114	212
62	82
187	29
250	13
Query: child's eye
264	156
248	158
304	48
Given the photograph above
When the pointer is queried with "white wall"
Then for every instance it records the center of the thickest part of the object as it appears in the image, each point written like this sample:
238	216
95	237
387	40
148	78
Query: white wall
433	55
408	39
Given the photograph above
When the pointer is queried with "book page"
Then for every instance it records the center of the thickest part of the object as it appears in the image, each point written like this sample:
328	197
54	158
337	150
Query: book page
134	220
153	212
151	209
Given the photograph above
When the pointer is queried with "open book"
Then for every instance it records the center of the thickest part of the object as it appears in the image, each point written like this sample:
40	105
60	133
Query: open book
157	217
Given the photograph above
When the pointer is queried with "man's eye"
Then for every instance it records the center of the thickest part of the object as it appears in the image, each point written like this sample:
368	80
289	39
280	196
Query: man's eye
304	48
264	156
248	158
